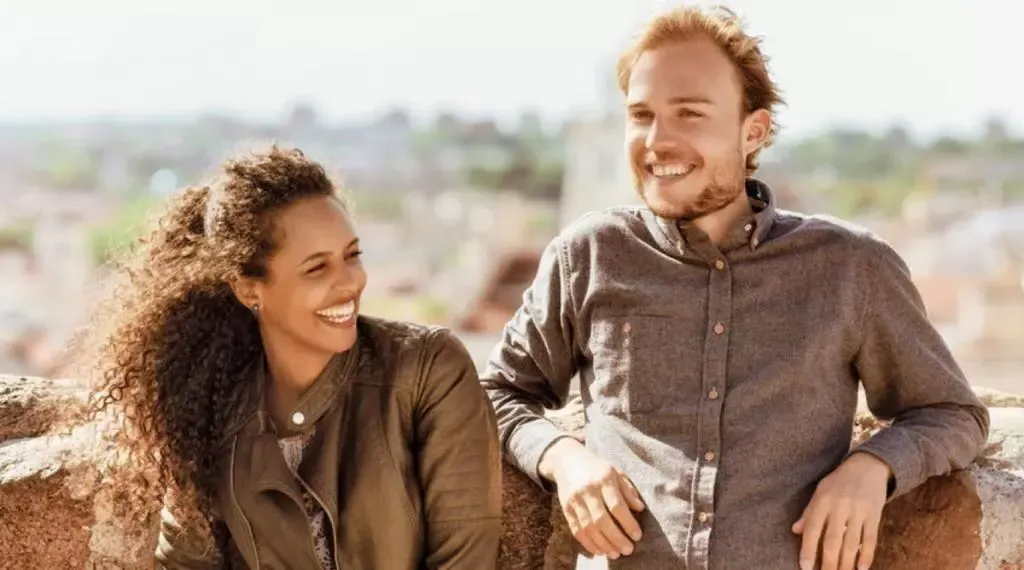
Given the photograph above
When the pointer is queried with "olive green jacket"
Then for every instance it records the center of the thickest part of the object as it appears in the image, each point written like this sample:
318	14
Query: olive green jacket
404	459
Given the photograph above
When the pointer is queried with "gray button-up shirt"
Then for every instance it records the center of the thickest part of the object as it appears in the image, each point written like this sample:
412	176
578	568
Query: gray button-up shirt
723	380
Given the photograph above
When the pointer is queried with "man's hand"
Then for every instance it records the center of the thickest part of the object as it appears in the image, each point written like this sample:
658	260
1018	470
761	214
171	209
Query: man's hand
844	515
596	498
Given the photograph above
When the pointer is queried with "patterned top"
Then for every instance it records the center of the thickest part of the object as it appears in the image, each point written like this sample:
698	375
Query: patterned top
292	448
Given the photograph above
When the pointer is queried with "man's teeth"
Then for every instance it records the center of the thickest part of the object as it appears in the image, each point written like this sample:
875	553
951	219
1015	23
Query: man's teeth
338	312
671	169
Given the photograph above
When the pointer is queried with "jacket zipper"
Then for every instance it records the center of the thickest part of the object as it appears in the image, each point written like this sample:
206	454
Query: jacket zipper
238	508
334	529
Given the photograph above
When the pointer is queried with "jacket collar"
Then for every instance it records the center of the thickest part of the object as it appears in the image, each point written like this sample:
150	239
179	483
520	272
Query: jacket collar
317	399
250	402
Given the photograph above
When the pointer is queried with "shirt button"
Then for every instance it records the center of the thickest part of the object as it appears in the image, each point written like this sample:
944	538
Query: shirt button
703	517
298	418
627	327
748	227
713	394
754	242
719	264
709	456
719	328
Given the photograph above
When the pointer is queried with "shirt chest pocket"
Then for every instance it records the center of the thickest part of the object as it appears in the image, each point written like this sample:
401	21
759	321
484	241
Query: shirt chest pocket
636	364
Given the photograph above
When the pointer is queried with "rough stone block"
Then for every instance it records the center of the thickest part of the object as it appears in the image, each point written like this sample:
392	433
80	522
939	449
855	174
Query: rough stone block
45	504
30	406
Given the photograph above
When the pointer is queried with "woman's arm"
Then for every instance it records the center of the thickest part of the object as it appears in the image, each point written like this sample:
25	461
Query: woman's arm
459	460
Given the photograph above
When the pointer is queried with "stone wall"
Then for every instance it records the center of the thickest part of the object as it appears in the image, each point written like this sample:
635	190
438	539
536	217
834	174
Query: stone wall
56	514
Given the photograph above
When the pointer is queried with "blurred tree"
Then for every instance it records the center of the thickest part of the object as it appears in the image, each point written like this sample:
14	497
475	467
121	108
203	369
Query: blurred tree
119	234
20	235
66	166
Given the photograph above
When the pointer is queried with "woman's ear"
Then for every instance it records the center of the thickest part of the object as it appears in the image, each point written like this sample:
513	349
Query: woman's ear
246	292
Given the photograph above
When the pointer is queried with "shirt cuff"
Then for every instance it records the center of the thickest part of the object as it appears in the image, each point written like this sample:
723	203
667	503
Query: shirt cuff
528	444
892	446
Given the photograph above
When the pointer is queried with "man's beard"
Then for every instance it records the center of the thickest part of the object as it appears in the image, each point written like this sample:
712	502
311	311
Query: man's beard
711	199
726	185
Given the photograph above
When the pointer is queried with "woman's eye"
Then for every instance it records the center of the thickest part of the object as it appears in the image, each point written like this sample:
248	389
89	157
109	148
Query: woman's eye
316	268
355	254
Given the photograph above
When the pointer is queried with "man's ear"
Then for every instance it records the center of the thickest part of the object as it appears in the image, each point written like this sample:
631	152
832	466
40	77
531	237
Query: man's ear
757	127
246	292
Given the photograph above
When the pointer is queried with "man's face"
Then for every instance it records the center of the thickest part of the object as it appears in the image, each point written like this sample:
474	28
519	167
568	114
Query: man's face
686	134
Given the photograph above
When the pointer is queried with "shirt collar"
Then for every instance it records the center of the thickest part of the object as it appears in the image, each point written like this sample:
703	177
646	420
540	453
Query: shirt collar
667	232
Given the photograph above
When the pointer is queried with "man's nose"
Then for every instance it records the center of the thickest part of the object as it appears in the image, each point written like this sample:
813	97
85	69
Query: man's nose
659	137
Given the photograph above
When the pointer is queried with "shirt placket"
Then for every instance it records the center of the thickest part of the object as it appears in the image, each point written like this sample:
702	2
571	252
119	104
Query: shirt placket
709	436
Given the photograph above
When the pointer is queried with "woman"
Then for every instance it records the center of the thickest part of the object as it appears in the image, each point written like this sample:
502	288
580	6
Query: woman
280	427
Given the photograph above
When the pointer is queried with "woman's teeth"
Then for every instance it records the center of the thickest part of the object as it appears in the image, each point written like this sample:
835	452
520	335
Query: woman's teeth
338	313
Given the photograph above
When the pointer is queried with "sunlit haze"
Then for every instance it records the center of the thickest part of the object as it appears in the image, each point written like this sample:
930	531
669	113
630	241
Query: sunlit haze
933	66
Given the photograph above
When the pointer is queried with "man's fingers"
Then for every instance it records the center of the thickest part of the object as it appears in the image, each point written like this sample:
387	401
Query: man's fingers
624	518
832	544
602	529
579	531
851	543
630	493
814	522
868	542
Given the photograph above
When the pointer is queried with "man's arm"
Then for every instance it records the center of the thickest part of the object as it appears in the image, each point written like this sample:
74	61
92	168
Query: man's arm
910	377
533	365
530	370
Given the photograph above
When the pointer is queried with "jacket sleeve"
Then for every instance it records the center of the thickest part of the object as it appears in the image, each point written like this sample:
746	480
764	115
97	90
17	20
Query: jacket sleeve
910	377
459	462
181	546
532	367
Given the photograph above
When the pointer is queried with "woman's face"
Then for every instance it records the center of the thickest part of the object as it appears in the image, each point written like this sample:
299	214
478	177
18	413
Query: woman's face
309	298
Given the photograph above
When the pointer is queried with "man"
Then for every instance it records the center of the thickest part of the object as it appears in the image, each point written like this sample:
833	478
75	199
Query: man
719	343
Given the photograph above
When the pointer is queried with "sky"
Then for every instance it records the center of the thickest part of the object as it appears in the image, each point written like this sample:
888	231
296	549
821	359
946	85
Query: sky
931	65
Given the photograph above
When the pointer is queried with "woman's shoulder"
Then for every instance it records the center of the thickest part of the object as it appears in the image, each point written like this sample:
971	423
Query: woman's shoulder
418	347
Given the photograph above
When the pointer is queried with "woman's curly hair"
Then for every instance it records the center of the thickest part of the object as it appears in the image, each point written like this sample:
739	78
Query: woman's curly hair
173	345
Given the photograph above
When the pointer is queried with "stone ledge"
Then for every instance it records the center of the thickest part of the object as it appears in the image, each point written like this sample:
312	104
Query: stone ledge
54	516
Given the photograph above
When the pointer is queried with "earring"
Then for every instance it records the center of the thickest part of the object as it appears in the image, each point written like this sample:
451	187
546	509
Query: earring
256	308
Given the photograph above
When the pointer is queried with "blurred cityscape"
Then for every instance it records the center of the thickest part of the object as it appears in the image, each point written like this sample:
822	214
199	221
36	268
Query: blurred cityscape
453	212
